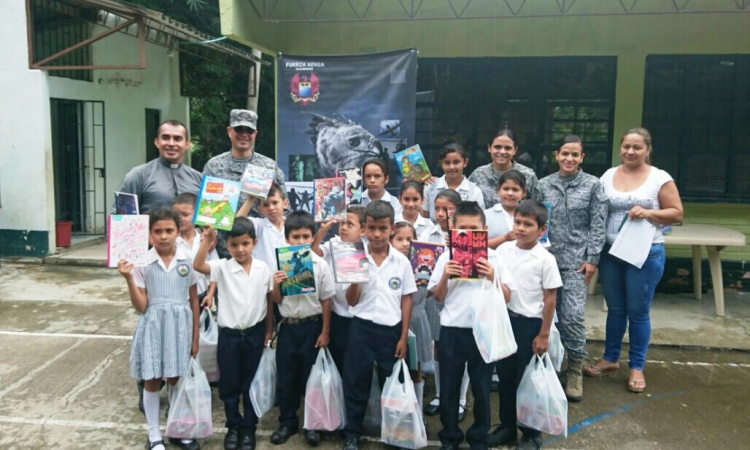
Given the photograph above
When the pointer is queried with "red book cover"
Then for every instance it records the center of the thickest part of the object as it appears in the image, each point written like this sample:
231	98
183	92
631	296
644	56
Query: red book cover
467	246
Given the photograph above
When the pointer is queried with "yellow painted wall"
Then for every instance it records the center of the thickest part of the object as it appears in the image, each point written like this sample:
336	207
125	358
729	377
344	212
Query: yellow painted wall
629	37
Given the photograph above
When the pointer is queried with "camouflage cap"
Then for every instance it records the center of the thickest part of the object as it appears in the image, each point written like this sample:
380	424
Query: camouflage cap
243	118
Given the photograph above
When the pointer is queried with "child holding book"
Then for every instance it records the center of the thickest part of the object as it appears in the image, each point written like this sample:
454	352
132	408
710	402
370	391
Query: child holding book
382	314
531	310
375	178
458	349
411	198
511	189
453	161
350	230
165	294
304	328
270	228
189	241
245	324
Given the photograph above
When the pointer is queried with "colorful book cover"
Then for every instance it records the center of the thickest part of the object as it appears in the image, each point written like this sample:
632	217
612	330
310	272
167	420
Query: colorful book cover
352	185
544	240
467	246
330	201
296	261
349	262
412	164
423	256
127	239
257	181
126	204
217	203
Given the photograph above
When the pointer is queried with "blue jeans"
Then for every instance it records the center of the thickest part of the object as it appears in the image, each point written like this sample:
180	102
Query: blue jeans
628	292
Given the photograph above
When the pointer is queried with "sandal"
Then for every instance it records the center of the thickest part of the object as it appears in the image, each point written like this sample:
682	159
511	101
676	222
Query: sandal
596	371
636	385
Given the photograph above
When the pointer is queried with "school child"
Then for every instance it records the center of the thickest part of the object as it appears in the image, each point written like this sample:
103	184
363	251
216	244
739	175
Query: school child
403	234
531	309
352	230
453	161
189	241
381	311
269	228
577	235
165	294
511	189
458	349
245	324
375	177
304	327
446	202
411	198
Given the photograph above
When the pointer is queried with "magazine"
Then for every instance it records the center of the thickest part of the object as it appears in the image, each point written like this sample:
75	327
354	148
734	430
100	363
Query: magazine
467	246
257	181
412	164
349	262
296	261
125	203
217	203
352	185
330	201
127	239
544	240
423	256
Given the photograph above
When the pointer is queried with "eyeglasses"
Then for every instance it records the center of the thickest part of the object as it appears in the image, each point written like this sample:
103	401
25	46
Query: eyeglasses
243	129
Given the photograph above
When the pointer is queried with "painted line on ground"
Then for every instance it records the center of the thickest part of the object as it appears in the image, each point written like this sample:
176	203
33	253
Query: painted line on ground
66	335
700	364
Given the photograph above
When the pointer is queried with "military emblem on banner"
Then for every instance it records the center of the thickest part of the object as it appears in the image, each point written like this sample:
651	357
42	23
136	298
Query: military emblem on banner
304	89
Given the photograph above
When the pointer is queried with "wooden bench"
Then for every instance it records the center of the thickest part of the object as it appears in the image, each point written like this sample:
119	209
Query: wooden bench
715	239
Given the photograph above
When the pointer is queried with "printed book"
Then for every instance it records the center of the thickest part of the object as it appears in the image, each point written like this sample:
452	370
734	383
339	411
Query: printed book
217	203
412	164
349	262
296	261
423	256
126	204
467	246
330	201
352	185
257	181
127	239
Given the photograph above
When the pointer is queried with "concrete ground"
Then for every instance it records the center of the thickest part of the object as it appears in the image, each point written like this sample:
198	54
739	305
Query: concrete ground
64	383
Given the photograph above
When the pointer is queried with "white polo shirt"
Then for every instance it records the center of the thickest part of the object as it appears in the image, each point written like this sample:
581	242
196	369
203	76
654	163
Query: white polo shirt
467	190
306	305
380	299
203	280
432	234
339	305
269	239
499	221
180	258
242	296
457	309
387	197
420	225
534	271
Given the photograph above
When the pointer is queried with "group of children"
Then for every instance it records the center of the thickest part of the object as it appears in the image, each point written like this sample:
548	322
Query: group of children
361	324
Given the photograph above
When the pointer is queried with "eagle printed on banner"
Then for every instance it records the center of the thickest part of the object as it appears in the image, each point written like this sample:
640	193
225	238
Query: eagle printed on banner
304	89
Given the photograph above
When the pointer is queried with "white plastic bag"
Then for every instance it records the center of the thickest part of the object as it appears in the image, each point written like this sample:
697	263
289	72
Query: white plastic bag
491	324
190	412
207	346
263	387
540	399
402	419
324	395
556	350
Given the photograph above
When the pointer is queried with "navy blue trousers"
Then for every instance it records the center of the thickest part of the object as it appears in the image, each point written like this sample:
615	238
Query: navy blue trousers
295	356
339	339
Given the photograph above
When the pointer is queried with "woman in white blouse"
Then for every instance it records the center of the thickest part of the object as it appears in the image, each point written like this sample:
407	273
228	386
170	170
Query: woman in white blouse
638	191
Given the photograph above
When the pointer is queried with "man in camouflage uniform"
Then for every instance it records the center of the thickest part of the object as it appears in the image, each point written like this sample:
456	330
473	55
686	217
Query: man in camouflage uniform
487	178
242	131
576	235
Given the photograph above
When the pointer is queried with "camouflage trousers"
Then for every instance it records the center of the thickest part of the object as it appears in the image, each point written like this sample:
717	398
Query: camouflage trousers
571	303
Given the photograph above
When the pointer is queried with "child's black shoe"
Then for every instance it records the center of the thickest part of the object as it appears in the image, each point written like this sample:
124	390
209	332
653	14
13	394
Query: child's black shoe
232	439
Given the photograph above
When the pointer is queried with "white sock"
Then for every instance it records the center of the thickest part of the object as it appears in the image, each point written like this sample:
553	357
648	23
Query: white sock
151	408
419	392
436	369
464	387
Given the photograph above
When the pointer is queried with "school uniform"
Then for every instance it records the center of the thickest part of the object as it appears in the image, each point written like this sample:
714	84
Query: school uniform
269	239
467	190
341	318
164	334
241	318
374	333
203	280
299	330
534	271
458	349
387	197
432	306
420	225
499	221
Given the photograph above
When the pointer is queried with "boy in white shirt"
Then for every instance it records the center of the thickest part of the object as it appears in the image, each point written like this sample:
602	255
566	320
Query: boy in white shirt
458	349
303	329
189	241
245	324
351	230
382	314
531	309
